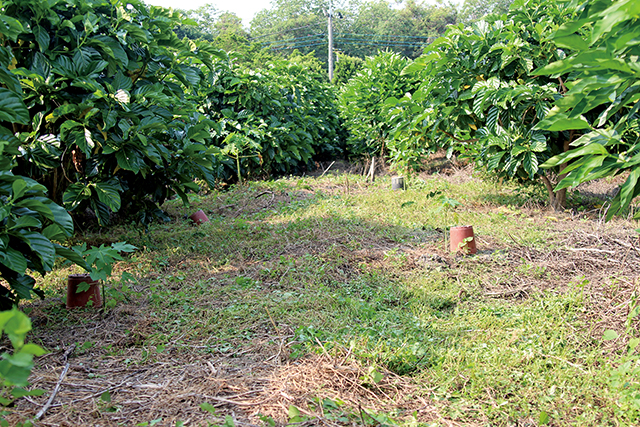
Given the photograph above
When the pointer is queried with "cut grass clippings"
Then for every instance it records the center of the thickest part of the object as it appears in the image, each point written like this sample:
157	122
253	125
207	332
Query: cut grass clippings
335	301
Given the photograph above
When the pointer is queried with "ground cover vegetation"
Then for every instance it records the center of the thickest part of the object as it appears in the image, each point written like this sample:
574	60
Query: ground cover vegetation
320	300
334	300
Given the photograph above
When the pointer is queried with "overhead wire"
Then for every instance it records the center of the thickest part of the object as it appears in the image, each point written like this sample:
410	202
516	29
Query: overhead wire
300	46
296	39
389	36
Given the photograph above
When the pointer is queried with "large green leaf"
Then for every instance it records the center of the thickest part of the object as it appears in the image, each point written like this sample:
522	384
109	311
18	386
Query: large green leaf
42	247
572	154
109	193
25	221
12	109
42	37
61	217
10	27
73	255
561	121
14	260
75	194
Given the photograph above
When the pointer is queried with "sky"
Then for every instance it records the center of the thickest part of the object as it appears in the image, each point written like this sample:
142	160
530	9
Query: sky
245	9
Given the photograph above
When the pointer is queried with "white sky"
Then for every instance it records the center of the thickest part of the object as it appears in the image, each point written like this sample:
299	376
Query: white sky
245	9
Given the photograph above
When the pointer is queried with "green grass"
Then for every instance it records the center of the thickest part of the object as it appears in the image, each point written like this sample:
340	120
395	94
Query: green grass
335	269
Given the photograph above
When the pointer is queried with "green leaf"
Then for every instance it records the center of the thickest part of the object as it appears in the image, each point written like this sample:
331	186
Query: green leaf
591	149
561	121
19	392
12	109
10	27
60	217
106	397
14	260
123	247
72	255
628	188
42	37
109	193
19	188
573	42
209	408
543	418
294	414
75	194
41	246
530	164
25	222
33	349
610	335
120	81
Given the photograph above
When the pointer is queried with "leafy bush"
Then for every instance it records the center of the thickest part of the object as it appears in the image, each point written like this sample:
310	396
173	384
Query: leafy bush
603	95
346	68
273	121
108	123
362	101
479	95
31	225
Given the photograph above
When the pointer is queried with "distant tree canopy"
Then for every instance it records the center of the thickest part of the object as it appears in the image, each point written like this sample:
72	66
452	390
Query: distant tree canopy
472	10
360	28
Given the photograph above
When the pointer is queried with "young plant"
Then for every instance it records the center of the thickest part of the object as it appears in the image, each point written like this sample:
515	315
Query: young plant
15	368
448	206
98	262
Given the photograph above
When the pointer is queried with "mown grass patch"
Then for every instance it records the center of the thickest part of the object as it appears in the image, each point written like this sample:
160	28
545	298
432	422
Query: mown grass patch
357	278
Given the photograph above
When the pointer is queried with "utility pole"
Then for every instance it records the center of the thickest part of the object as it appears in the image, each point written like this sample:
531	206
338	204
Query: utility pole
330	33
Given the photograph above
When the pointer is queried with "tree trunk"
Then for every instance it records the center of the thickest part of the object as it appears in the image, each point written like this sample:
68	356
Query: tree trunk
557	199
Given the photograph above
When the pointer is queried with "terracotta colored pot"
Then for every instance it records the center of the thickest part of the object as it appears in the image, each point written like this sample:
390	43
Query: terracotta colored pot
81	299
199	217
397	183
461	239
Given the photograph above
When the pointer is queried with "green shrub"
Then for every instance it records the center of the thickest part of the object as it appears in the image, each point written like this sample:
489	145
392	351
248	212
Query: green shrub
479	95
272	121
603	97
362	101
109	125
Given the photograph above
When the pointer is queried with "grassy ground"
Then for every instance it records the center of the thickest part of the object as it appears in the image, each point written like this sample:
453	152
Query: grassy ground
335	301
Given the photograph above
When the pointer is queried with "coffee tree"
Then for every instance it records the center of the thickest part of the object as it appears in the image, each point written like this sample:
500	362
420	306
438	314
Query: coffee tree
362	101
32	227
479	96
106	86
275	120
602	101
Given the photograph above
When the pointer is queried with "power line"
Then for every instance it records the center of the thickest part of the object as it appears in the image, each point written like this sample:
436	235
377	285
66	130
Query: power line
300	46
390	35
294	39
379	41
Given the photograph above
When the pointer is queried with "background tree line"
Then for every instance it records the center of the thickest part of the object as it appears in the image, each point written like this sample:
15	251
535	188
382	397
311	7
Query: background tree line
361	28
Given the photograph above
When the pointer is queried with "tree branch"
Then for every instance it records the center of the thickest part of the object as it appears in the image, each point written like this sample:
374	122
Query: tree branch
457	139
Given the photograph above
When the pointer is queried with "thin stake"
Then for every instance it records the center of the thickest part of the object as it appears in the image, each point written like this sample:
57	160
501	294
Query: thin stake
53	395
325	171
272	322
57	387
372	170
